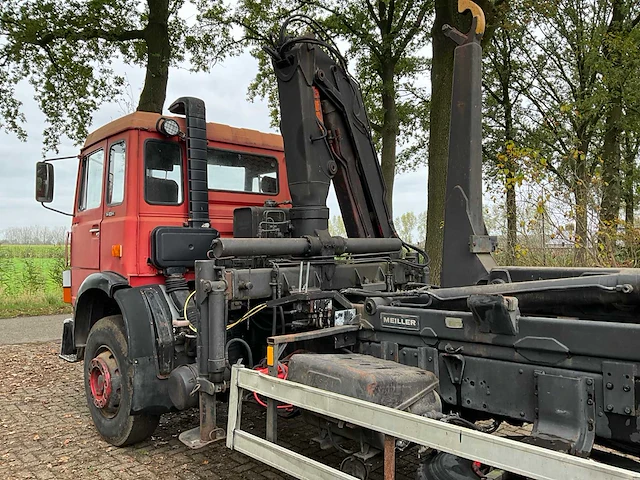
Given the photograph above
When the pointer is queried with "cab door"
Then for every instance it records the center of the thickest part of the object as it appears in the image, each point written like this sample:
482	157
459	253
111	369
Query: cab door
118	229
85	228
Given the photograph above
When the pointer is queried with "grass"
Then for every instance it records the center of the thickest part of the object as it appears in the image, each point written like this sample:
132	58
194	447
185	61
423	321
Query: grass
31	280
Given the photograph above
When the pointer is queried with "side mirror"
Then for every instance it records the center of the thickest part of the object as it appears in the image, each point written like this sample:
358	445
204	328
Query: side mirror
44	182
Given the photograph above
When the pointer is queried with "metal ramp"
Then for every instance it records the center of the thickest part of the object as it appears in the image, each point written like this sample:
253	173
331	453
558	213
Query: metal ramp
512	456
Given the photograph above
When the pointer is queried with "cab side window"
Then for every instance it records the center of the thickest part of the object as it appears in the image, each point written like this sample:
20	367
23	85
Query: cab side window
91	193
163	172
241	172
115	180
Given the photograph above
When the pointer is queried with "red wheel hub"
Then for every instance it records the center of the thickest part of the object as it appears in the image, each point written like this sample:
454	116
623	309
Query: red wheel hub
105	381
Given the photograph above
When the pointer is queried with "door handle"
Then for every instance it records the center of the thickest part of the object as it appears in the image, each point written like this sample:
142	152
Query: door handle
94	230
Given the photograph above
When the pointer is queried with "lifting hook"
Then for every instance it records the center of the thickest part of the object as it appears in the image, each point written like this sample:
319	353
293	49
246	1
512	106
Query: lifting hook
476	11
478	24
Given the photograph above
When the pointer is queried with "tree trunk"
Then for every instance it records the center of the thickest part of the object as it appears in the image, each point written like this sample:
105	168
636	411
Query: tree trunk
389	132
611	188
512	224
156	35
511	165
439	118
581	208
628	193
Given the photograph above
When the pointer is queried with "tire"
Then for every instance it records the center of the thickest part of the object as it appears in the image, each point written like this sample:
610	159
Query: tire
109	401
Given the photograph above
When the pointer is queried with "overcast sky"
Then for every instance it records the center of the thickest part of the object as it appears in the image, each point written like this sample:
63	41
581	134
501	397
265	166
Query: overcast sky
224	92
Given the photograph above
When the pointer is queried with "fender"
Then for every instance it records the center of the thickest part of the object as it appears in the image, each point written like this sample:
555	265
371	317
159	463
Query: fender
149	330
108	282
95	301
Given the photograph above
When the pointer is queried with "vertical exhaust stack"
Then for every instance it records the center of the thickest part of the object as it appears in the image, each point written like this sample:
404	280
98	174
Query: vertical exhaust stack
467	248
194	111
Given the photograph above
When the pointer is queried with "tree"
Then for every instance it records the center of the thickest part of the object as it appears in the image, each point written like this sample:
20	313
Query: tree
34	235
385	42
66	51
406	225
503	113
620	68
446	12
630	156
563	88
336	226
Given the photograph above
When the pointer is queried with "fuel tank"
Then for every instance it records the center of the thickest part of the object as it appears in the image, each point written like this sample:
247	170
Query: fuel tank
383	382
367	378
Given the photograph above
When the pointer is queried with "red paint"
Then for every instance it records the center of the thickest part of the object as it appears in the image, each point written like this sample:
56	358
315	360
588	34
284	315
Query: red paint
94	231
100	382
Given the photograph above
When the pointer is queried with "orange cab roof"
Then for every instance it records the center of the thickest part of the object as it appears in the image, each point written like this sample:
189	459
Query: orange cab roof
216	132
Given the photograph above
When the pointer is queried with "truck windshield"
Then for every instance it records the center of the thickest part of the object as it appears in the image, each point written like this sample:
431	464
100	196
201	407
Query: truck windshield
163	172
242	172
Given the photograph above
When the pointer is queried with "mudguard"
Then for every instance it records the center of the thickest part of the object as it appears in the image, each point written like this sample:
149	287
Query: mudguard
108	282
93	301
148	324
148	327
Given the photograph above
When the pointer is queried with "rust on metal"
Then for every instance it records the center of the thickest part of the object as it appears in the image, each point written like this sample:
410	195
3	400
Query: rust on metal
216	132
389	458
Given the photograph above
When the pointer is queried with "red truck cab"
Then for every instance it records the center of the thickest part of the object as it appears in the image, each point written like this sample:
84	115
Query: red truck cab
132	178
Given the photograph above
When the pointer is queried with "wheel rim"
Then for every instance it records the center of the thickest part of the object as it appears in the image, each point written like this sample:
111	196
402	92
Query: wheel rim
105	382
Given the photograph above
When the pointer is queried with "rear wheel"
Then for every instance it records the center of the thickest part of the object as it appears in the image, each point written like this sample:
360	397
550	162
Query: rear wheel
108	381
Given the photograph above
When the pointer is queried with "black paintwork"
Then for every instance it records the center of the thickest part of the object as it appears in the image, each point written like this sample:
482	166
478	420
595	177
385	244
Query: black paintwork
147	320
463	222
89	308
180	247
334	144
196	137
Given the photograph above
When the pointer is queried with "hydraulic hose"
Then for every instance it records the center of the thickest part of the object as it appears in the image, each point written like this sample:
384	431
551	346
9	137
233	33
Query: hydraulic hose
246	347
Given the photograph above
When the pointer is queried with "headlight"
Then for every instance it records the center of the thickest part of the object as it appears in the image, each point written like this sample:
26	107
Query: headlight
168	126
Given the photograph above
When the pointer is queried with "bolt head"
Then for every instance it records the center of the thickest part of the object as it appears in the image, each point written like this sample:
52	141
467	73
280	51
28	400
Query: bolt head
589	381
589	402
627	388
609	408
627	410
609	386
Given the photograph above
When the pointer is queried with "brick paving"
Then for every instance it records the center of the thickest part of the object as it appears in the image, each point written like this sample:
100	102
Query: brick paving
46	432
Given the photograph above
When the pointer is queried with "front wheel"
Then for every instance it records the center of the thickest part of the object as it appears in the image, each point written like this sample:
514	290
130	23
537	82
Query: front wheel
108	384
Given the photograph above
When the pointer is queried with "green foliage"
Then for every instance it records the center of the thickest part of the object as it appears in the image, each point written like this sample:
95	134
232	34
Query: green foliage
67	50
32	277
406	225
336	226
384	44
554	76
56	268
31	280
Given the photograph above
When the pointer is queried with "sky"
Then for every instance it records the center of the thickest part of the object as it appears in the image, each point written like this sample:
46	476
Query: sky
224	92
